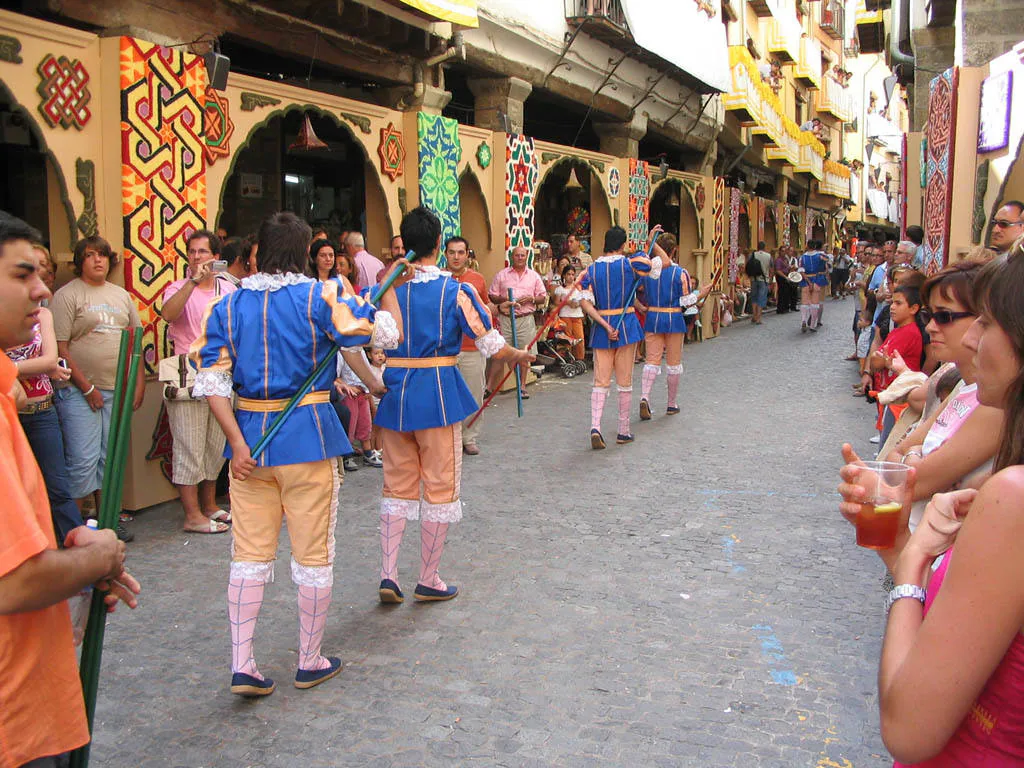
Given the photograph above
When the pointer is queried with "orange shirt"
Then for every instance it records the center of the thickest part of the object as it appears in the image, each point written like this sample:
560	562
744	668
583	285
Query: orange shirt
475	279
41	708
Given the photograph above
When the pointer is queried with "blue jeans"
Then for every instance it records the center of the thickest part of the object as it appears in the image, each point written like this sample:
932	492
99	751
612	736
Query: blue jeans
43	432
85	435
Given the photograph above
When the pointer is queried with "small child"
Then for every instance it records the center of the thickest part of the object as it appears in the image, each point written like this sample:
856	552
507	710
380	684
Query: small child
357	400
378	362
691	314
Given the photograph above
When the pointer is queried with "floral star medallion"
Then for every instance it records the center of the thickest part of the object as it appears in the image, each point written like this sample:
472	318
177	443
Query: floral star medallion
484	154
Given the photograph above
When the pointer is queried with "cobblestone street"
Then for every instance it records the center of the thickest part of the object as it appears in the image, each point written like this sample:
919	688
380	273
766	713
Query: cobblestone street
692	599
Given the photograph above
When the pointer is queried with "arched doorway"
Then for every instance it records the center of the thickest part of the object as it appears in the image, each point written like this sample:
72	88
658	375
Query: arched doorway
771	238
335	187
672	207
475	223
563	205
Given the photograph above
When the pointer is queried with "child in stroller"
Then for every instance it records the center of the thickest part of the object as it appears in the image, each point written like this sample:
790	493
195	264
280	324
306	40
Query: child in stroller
559	345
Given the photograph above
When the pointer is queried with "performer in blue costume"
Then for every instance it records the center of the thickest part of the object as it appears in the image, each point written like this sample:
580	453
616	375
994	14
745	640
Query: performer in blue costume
666	297
612	279
814	268
260	343
421	414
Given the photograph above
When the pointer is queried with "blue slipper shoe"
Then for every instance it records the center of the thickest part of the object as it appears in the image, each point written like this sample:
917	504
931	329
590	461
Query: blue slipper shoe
247	685
596	441
429	594
623	439
308	678
672	410
389	592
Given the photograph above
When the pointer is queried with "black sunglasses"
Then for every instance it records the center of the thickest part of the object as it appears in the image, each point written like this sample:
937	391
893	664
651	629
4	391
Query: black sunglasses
944	316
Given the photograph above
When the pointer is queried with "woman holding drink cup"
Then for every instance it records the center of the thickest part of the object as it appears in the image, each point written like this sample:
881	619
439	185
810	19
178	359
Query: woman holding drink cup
951	678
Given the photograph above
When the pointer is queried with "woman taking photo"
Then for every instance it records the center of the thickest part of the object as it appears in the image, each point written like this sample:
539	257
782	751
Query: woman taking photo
951	678
89	314
322	264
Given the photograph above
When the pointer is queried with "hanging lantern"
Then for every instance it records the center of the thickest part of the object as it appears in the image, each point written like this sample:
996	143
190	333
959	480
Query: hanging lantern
307	138
673	199
573	182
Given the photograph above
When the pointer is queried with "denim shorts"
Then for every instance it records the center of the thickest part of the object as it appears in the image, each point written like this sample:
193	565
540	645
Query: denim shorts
759	292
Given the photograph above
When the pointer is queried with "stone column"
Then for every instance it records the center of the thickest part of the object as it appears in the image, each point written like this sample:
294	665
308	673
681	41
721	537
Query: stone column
622	139
498	103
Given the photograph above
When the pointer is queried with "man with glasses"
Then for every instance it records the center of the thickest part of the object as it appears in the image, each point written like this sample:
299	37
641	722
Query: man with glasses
1007	226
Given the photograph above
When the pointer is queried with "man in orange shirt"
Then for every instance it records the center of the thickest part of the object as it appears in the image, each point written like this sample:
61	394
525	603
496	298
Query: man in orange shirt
42	715
471	360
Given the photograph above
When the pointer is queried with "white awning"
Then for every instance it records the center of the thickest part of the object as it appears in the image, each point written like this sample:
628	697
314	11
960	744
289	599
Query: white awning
688	34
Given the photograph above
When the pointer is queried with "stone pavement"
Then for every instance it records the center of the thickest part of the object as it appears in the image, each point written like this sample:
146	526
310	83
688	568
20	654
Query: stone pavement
693	599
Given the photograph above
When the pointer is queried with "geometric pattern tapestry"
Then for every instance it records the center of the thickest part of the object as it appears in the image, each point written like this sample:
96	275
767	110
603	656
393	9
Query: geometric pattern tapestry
734	232
938	189
784	233
522	173
163	174
639	205
439	155
63	86
718	237
218	127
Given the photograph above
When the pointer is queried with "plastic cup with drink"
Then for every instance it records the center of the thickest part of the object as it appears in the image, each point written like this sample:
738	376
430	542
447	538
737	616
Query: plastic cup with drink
885	487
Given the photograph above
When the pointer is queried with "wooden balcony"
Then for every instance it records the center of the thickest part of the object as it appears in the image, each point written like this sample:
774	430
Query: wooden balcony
784	38
604	19
763	8
870	29
833	20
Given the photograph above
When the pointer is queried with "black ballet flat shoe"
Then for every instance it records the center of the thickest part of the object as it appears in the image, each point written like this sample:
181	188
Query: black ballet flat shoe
310	678
429	594
672	410
248	685
596	441
389	592
623	439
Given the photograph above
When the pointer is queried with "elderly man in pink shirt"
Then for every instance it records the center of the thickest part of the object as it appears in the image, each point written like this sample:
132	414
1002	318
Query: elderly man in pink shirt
529	295
366	265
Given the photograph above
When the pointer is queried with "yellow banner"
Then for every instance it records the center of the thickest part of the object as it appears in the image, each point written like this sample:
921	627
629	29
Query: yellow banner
461	12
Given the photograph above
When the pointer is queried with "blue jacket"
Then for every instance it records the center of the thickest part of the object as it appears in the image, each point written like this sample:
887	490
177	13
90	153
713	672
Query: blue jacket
611	279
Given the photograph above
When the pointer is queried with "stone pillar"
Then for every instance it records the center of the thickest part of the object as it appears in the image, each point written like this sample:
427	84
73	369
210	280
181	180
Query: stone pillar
498	103
622	139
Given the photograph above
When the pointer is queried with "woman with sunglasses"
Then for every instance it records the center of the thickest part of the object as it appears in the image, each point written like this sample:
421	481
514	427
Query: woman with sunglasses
951	676
954	446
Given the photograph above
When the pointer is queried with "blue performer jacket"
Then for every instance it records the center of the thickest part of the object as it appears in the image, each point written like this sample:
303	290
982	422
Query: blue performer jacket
611	279
262	341
425	389
664	297
814	268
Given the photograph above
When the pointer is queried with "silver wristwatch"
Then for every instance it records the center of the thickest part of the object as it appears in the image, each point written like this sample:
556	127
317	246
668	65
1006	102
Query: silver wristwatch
904	590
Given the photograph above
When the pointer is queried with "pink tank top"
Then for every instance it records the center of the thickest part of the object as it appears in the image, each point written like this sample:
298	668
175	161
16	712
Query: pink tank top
35	386
992	734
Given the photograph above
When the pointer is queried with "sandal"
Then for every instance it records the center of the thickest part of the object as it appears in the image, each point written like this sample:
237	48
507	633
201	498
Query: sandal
126	518
221	516
212	526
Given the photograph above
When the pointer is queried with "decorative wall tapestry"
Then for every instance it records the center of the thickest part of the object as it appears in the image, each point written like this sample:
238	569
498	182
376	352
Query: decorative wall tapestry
939	185
639	205
162	447
63	87
218	126
762	205
391	151
735	196
163	173
718	237
522	173
808	225
439	155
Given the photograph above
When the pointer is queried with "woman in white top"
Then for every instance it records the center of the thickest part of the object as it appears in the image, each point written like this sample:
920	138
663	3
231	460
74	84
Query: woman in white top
572	313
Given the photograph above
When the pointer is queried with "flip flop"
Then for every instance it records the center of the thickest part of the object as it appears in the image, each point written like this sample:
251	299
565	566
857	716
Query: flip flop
221	516
212	526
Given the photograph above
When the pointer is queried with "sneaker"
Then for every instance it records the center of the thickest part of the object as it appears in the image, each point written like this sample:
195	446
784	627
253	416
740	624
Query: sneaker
351	465
372	459
124	534
875	439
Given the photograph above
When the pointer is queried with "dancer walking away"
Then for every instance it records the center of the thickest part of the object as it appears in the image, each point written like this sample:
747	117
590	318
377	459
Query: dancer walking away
666	297
815	271
427	399
612	280
261	342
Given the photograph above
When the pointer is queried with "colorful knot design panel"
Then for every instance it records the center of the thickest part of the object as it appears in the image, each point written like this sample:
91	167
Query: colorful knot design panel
219	127
391	152
63	87
639	205
439	156
735	197
163	173
938	191
718	230
522	174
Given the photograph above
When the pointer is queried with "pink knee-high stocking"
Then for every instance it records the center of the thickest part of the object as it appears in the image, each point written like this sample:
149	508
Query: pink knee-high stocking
245	596
432	537
673	389
625	402
647	382
805	313
313	605
597	397
391	529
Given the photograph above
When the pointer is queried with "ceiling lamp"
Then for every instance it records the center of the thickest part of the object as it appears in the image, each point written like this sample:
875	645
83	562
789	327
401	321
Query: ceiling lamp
307	139
673	199
573	182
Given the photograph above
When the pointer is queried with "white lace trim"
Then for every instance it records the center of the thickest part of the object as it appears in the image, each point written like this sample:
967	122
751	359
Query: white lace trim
655	368
385	331
655	267
608	259
602	389
674	368
262	281
625	389
407	508
582	294
443	513
428	273
689	299
490	343
212	382
241	569
312	575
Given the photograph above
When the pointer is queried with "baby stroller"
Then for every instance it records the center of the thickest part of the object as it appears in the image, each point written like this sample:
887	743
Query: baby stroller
557	348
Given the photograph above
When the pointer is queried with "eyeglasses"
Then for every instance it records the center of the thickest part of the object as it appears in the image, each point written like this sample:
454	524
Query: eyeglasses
1004	224
944	316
